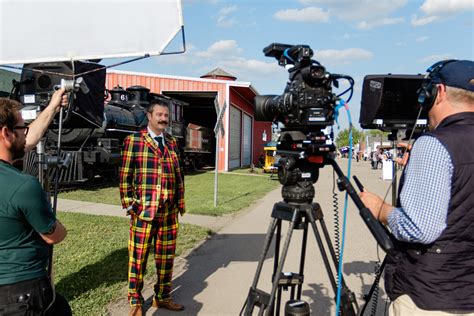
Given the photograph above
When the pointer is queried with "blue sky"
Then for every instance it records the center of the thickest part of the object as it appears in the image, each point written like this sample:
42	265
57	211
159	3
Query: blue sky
353	37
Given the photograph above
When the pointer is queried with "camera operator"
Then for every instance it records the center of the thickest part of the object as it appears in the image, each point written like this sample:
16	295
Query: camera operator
431	272
27	223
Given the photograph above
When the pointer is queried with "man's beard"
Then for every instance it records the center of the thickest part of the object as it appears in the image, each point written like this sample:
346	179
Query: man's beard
18	150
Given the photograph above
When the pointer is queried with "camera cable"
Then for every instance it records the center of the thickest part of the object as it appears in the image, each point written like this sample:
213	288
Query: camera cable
335	204
341	104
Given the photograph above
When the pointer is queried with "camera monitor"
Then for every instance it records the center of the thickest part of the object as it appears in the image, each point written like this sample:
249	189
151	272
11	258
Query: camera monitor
390	102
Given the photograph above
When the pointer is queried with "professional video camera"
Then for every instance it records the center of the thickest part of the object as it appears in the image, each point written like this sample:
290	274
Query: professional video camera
308	102
305	108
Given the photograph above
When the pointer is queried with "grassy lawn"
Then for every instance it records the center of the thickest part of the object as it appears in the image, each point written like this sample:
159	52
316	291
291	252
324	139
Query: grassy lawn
90	267
236	191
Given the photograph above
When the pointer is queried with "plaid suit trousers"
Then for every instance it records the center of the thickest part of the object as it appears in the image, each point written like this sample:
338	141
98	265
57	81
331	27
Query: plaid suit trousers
160	233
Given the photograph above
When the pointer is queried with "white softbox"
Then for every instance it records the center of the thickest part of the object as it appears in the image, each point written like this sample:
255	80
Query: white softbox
47	31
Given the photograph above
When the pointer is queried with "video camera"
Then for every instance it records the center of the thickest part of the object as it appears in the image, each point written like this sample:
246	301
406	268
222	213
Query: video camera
390	102
308	102
307	106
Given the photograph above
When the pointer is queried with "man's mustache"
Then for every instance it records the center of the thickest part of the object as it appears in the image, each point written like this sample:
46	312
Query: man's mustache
162	122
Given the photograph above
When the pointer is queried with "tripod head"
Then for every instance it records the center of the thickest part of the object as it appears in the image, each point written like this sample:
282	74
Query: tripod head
302	157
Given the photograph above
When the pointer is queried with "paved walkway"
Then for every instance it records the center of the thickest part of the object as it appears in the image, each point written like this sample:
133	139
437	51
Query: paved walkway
214	279
211	222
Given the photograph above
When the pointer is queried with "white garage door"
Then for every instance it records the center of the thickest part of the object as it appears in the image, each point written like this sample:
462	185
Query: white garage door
247	141
234	137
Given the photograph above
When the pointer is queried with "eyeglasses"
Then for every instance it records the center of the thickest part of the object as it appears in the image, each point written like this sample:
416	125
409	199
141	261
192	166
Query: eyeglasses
25	128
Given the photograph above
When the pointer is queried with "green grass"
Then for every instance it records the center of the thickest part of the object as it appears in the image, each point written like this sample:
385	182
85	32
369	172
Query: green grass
90	265
236	191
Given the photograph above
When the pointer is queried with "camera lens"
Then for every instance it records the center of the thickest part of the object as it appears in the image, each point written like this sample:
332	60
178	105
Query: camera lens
317	72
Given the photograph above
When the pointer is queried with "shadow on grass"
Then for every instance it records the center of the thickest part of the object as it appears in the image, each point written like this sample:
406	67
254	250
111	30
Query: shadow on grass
91	185
110	270
235	198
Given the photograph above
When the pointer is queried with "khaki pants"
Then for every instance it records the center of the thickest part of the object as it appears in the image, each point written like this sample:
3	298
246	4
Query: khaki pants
404	306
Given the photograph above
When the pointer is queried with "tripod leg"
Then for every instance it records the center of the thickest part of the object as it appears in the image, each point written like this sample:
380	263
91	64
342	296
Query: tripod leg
250	301
322	249
279	270
266	247
303	258
347	297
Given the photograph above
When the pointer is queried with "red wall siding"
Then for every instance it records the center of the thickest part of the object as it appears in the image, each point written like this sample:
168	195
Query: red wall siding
159	85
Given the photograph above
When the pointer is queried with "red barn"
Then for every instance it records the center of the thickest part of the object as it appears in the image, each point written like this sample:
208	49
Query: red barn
243	139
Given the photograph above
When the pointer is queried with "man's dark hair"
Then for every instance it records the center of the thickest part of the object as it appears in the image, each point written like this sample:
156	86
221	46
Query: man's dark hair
8	109
156	102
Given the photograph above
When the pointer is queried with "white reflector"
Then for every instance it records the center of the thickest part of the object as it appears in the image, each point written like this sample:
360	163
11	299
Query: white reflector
45	31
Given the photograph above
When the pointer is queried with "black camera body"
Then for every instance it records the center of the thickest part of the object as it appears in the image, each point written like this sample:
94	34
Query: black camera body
308	101
306	107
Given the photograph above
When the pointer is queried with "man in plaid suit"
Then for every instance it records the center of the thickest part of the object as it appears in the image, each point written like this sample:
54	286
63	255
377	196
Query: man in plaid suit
152	192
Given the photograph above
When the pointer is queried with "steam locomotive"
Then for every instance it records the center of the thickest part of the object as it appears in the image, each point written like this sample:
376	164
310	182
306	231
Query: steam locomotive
94	129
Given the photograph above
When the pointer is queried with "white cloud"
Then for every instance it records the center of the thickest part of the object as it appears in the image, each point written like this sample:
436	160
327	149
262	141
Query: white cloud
309	14
223	18
227	10
435	9
250	67
226	54
221	49
358	10
438	7
386	21
431	59
342	57
415	21
422	38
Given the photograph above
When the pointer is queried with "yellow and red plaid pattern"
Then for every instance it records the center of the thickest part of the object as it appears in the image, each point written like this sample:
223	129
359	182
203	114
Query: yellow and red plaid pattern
149	178
159	234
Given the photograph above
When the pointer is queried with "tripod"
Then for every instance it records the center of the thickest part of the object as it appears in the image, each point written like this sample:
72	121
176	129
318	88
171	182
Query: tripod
301	213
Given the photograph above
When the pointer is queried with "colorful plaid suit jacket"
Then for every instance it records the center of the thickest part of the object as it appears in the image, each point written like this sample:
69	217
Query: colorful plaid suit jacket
141	176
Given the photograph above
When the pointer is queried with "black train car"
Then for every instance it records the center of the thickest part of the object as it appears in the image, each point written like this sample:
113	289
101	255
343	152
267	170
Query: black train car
94	133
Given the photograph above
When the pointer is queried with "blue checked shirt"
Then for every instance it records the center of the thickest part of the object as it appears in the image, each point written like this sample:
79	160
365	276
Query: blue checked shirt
425	195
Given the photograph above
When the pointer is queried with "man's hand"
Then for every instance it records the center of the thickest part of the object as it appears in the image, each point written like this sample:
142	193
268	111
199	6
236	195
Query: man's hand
403	161
39	126
58	100
376	205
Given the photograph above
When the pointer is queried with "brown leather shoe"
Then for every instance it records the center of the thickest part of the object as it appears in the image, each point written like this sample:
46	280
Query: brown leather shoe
168	304
135	310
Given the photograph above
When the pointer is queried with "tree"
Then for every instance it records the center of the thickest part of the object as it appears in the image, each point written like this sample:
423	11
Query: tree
377	133
342	138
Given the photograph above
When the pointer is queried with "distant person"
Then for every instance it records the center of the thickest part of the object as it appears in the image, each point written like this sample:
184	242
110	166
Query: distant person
261	161
27	223
431	272
152	192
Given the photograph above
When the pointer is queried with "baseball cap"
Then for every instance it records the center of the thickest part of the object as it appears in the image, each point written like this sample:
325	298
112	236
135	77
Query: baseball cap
453	73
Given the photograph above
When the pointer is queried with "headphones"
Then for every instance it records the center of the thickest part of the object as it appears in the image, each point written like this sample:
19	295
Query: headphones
428	91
